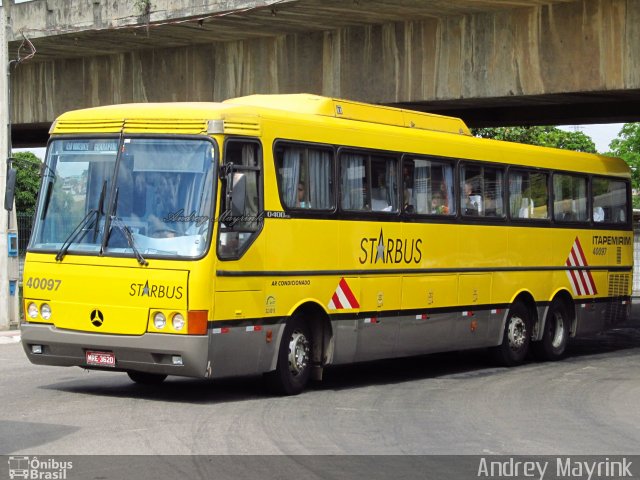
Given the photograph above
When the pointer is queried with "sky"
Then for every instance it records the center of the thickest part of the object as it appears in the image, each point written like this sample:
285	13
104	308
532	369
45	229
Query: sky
601	133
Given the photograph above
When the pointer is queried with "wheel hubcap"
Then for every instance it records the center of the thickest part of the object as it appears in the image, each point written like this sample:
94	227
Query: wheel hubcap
298	353
558	335
517	333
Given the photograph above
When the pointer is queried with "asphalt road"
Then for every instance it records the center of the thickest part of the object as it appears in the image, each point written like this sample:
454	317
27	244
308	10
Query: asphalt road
457	403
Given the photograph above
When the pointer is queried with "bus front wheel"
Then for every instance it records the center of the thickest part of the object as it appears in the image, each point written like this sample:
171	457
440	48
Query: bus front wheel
516	337
294	359
145	378
555	335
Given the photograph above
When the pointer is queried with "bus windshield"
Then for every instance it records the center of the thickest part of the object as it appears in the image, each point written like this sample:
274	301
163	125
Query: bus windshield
148	196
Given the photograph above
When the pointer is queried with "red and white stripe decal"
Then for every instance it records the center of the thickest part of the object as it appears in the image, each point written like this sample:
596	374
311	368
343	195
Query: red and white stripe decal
467	314
218	331
253	328
496	311
581	280
371	320
423	316
343	298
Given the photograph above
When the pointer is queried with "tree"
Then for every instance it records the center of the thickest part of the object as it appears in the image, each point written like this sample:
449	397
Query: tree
27	181
627	147
542	136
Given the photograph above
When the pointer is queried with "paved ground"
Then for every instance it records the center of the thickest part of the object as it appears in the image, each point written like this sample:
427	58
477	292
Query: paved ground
455	403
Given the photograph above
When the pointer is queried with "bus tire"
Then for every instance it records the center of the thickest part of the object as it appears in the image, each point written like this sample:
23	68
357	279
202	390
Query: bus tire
555	335
516	337
144	378
294	359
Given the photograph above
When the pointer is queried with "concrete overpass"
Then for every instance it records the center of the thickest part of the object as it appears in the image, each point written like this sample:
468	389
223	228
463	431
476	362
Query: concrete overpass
491	62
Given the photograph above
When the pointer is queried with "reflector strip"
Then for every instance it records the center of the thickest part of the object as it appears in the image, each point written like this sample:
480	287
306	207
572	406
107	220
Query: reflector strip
217	331
423	316
581	281
343	297
253	328
467	314
371	320
496	311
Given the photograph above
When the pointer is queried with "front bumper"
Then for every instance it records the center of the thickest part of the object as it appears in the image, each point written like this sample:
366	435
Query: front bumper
150	352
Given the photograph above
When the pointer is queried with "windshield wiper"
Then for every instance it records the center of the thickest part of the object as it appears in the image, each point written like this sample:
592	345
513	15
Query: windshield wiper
116	221
81	228
120	225
100	211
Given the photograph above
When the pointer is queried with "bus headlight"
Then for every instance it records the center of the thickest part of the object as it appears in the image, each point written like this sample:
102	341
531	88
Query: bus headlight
45	311
32	310
159	320
178	322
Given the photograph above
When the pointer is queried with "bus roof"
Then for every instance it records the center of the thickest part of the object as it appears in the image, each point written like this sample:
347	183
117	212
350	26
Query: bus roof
244	115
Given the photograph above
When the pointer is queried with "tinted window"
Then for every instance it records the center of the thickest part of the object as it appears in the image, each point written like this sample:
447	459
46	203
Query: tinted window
609	200
569	198
529	195
428	187
481	191
304	176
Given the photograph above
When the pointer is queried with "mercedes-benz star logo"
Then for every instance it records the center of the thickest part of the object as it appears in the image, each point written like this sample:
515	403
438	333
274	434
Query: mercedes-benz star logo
97	318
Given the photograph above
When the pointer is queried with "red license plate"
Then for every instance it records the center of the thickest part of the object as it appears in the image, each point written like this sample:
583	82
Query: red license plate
103	359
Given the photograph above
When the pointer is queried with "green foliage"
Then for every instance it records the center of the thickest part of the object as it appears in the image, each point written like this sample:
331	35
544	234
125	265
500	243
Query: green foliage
142	6
27	181
541	136
627	147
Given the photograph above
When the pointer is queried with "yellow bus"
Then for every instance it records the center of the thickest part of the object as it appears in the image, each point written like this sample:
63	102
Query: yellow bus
279	234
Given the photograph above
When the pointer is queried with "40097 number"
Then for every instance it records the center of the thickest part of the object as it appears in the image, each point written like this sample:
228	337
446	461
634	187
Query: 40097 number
43	283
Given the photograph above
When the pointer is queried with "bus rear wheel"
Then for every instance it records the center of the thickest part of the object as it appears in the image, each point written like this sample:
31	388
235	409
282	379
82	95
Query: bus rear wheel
294	359
145	378
555	335
516	337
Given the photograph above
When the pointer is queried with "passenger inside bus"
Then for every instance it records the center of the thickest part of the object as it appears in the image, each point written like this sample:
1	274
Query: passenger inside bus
471	201
302	201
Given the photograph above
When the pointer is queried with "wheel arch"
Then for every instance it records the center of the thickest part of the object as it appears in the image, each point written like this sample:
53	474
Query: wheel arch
318	320
564	296
526	298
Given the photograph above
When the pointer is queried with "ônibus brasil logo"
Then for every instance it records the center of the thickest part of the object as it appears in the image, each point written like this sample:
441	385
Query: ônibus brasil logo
38	469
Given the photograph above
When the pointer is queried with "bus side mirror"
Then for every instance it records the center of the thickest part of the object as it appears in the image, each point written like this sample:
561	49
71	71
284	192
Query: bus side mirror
238	194
10	191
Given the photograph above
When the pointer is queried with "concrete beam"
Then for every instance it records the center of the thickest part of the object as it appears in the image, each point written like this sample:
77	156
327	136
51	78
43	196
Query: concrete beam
583	46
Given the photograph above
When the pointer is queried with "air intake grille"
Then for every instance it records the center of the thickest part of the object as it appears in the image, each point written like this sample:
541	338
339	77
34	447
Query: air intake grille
618	290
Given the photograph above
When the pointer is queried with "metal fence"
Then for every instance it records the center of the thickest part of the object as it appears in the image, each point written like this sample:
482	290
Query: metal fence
25	222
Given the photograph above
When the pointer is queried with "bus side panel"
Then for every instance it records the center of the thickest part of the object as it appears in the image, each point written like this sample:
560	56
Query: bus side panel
426	332
243	350
377	334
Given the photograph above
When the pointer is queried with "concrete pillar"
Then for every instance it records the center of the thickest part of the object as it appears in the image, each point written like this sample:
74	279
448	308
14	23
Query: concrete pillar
5	306
9	266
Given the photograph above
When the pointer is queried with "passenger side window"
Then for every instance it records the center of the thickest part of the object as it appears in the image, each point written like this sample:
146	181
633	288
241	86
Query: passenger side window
529	195
305	176
609	199
569	198
481	191
428	187
368	182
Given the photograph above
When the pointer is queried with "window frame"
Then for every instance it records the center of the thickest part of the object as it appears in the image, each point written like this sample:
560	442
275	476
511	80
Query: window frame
529	221
368	153
504	168
303	212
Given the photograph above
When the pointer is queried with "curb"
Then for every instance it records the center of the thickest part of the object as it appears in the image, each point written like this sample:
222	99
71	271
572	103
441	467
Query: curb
10	333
